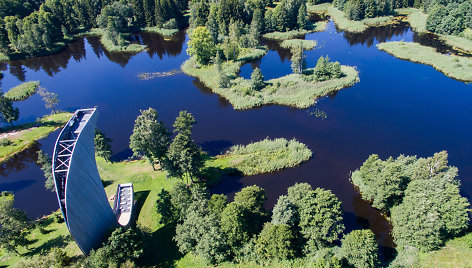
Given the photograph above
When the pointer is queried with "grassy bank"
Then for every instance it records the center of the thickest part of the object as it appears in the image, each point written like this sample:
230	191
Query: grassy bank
294	90
417	20
22	91
167	33
456	253
315	27
267	155
306	44
459	68
21	137
345	24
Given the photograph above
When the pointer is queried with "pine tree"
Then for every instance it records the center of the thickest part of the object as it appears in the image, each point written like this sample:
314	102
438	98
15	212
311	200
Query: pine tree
257	26
301	18
257	79
148	6
212	23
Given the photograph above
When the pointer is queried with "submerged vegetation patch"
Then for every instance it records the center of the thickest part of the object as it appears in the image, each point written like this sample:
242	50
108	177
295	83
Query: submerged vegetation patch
459	68
22	91
149	76
268	155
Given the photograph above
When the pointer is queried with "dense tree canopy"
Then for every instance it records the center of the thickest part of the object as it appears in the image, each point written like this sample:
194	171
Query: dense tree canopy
13	223
360	249
150	137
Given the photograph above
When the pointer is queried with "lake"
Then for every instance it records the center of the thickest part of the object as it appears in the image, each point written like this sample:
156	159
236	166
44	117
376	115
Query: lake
398	107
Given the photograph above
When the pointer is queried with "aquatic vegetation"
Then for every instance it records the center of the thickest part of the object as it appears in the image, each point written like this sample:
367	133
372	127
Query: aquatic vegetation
305	44
268	155
459	68
149	76
318	114
22	91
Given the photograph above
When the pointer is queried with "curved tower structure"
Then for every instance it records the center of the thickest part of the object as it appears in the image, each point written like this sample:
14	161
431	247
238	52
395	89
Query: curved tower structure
82	198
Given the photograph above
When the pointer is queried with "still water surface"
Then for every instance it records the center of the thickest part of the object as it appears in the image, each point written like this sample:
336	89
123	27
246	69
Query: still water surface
398	107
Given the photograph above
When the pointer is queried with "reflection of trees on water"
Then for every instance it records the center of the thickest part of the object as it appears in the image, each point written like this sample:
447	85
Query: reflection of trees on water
369	217
432	40
284	53
53	64
18	162
379	33
157	45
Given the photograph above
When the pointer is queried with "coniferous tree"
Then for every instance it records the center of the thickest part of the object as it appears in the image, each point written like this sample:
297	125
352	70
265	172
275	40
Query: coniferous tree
212	23
302	17
148	6
257	79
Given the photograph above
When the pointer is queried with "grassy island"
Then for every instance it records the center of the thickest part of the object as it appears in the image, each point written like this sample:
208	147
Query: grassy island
17	139
267	155
22	91
315	27
295	90
293	43
459	68
167	33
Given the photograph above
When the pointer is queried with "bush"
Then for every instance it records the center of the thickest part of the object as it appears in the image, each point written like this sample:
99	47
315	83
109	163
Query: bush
326	70
55	258
170	24
275	242
360	249
5	142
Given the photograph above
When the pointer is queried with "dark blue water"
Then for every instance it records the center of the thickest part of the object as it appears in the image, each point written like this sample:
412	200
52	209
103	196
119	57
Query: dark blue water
398	107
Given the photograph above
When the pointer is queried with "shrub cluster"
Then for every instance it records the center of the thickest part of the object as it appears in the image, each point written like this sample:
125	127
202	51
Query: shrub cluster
325	70
422	196
449	17
305	221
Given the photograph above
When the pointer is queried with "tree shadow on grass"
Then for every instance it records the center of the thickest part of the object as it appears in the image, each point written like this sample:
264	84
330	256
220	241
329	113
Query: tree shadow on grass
61	242
140	197
159	248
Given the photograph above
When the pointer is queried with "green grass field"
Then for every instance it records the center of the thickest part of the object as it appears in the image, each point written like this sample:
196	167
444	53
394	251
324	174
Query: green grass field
459	68
456	254
22	91
26	135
